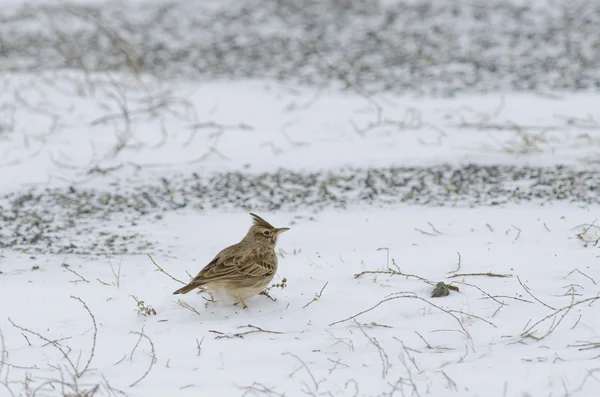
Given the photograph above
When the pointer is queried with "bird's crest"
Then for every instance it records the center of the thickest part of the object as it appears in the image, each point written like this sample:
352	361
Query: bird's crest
260	221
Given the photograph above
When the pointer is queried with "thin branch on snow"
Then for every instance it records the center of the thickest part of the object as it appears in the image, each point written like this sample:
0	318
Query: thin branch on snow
385	360
531	294
518	232
394	297
65	352
582	273
254	329
317	296
160	269
152	355
258	389
189	307
529	331
393	272
336	363
199	345
346	341
81	278
458	264
93	348
488	274
312	377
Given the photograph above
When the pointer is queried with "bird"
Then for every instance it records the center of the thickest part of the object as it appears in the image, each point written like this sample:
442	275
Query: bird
243	269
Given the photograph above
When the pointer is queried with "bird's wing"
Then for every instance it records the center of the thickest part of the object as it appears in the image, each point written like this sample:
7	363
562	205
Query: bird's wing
231	265
220	267
257	263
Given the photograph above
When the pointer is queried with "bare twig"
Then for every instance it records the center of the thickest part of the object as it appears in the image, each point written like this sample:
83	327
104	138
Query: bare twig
508	297
317	296
427	345
152	356
488	274
199	345
160	269
256	387
346	341
392	272
137	343
74	367
391	298
425	233
583	234
518	232
566	309
583	274
528	332
93	349
186	305
474	316
433	228
502	304
385	361
533	296
116	273
457	265
312	377
336	363
81	278
585	345
254	329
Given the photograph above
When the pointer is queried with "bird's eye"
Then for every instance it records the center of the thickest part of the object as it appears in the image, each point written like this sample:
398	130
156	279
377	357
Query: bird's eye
266	233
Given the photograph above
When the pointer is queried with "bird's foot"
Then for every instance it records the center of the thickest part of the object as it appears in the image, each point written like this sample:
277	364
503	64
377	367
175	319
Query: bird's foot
244	306
265	293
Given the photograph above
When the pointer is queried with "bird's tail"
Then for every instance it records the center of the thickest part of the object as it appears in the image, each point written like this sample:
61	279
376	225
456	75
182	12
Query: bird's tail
186	289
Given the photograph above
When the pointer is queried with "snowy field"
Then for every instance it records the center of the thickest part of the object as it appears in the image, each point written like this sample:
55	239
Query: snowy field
531	332
119	180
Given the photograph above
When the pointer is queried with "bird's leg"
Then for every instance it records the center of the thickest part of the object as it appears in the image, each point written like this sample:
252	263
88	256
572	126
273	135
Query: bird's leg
265	293
244	306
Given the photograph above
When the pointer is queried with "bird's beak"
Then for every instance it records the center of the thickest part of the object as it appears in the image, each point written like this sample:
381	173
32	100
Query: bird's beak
281	230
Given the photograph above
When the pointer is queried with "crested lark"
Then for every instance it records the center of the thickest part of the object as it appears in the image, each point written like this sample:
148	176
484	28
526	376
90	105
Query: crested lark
243	269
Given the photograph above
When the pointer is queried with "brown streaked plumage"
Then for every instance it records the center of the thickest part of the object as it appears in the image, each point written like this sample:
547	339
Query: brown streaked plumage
243	269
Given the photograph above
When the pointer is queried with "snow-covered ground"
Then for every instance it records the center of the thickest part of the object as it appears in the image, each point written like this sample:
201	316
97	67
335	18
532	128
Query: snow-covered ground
115	186
529	333
262	126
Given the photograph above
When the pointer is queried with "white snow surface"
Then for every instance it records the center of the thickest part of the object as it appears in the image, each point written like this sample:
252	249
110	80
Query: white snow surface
471	343
57	127
534	332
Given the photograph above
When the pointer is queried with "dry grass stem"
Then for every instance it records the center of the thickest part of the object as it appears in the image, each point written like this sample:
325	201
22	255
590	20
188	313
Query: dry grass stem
254	329
458	264
76	373
529	331
488	274
583	274
588	239
393	272
518	232
160	269
394	297
533	296
199	345
187	306
385	360
312	377
317	296
152	355
81	278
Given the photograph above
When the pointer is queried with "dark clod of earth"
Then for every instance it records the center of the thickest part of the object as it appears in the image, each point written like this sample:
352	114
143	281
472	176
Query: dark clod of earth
70	220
